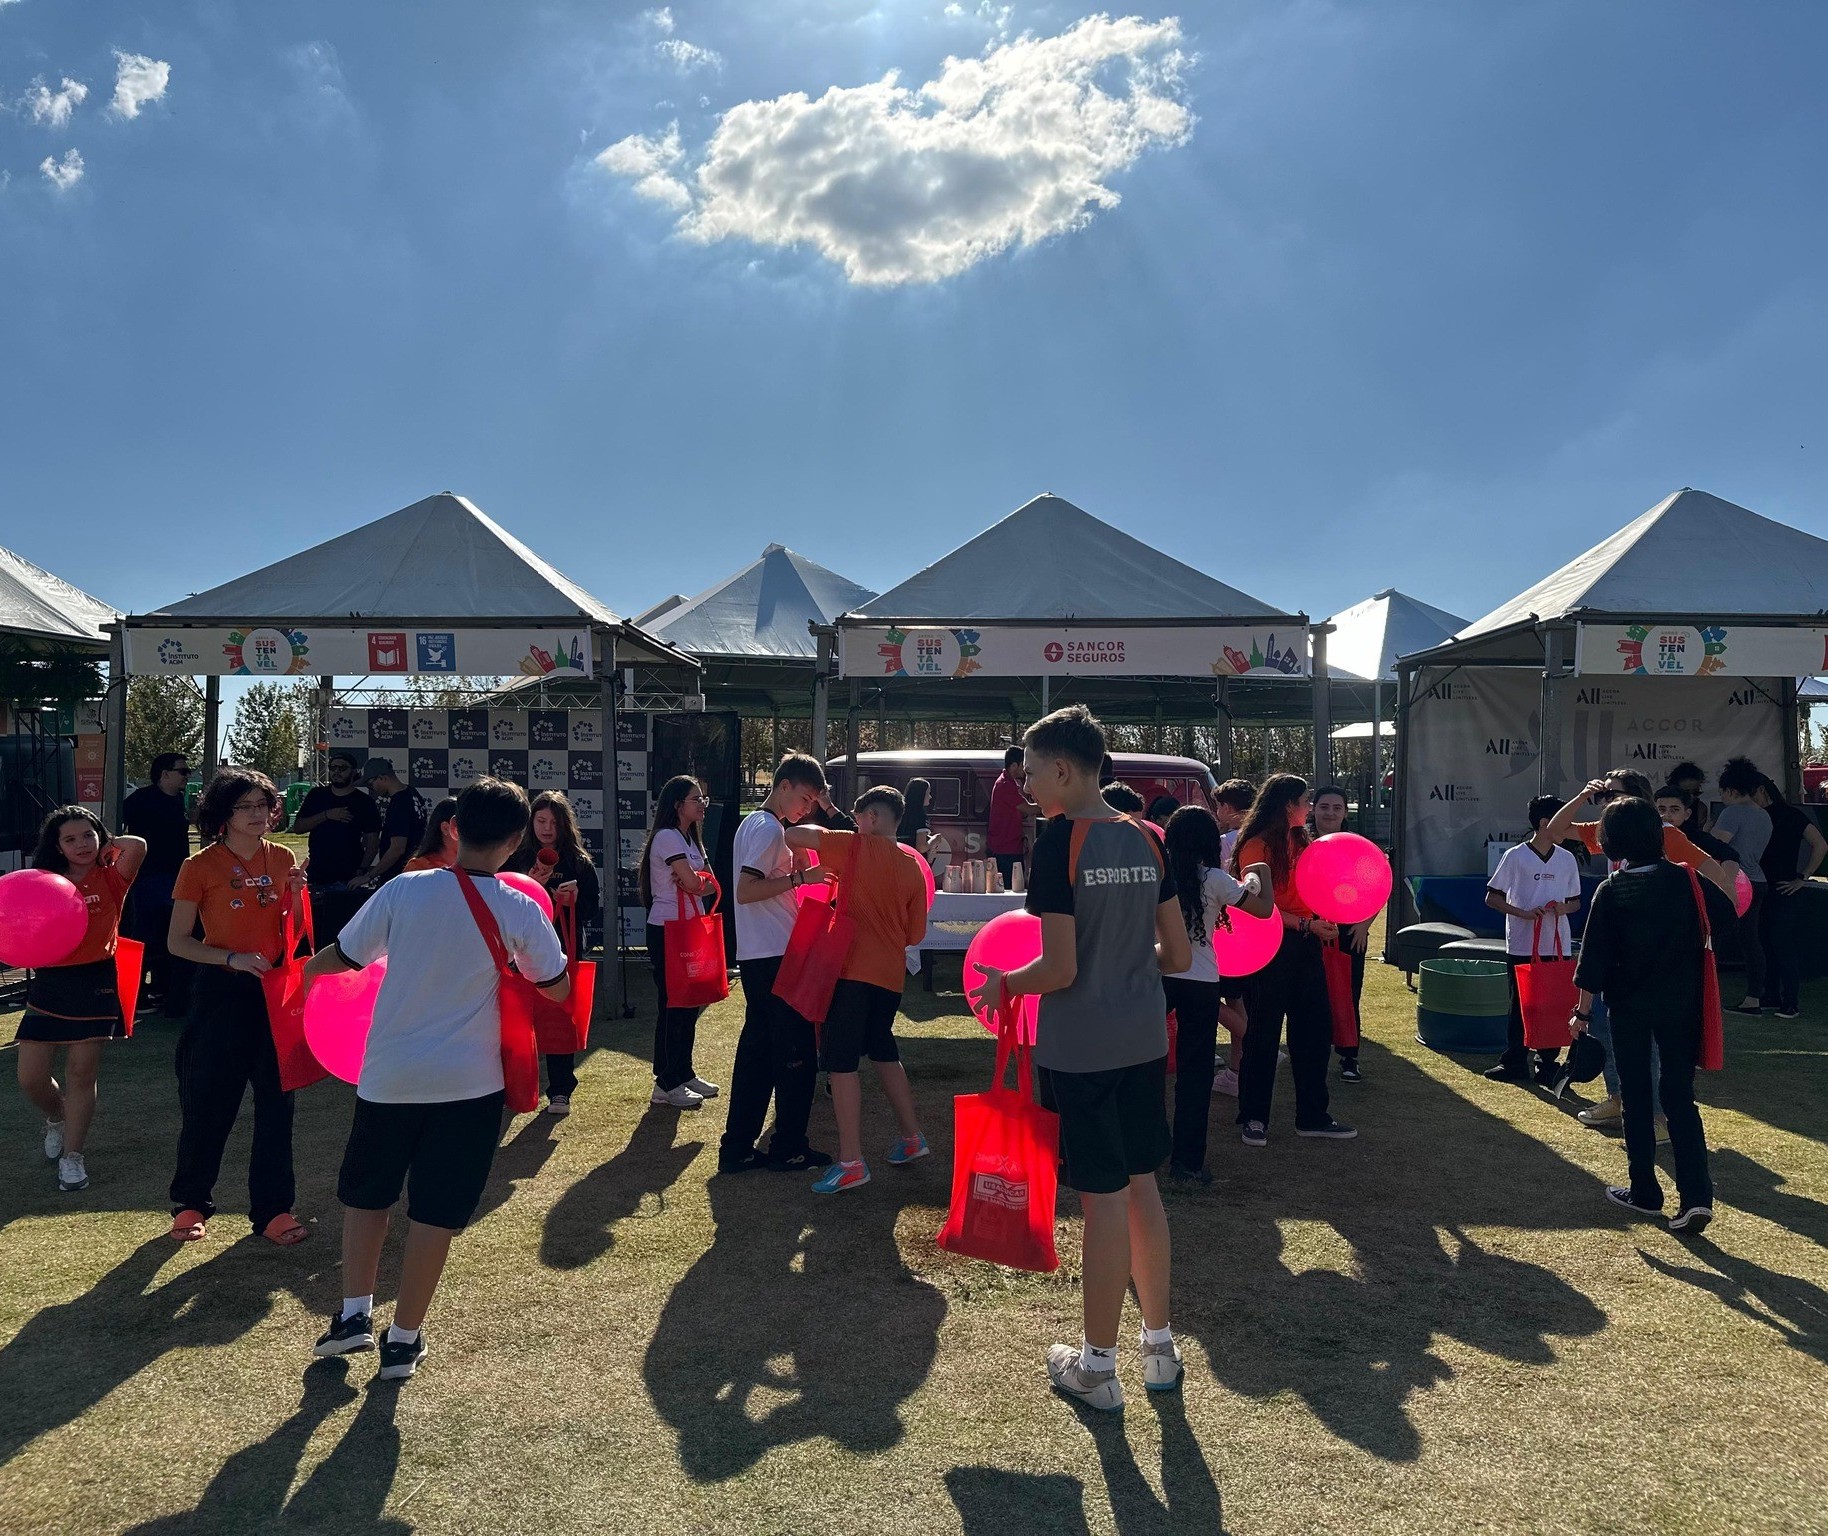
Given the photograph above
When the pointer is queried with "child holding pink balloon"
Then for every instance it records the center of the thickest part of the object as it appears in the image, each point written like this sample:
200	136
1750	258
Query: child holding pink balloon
75	1002
238	887
429	1100
1111	927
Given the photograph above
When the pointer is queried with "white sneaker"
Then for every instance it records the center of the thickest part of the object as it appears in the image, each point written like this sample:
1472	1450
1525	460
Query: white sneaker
1161	1366
1096	1389
559	1105
1225	1081
703	1089
683	1097
71	1175
53	1139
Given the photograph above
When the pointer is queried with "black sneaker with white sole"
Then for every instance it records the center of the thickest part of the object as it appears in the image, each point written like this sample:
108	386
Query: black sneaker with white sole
804	1161
1255	1134
1349	1073
346	1335
1691	1220
1331	1131
1621	1197
399	1361
1789	1013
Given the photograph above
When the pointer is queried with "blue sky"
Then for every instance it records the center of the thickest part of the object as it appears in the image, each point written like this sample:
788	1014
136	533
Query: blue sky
1419	294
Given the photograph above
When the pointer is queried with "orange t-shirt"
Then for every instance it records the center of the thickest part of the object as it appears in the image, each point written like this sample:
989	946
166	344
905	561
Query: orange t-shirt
1288	899
1676	846
105	892
885	896
241	902
425	861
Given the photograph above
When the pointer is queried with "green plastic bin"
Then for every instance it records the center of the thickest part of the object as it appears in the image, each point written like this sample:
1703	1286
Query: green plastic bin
1463	1005
295	797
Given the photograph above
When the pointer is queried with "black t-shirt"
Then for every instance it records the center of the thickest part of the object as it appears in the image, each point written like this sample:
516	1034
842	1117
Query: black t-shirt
1641	948
1783	855
569	867
159	818
336	846
405	819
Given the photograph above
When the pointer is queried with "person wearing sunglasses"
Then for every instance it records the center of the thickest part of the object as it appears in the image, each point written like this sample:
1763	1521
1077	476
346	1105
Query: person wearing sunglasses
239	887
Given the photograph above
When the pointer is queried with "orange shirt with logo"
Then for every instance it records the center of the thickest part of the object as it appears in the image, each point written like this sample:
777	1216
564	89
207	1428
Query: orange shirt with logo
884	895
105	893
421	861
241	901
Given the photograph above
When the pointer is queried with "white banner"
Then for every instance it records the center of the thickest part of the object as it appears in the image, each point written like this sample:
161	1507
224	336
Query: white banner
1680	650
1266	650
1474	738
256	650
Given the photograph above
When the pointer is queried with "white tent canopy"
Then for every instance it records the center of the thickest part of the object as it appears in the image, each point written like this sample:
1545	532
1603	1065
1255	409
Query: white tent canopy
37	606
764	610
1369	636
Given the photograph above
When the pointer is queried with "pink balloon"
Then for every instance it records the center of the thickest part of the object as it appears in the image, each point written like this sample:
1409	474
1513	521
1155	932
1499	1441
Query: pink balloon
1249	945
1742	892
528	886
1007	942
43	918
1156	830
338	1014
926	871
1345	878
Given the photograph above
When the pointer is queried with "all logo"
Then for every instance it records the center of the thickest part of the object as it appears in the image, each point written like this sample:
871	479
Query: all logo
1464	794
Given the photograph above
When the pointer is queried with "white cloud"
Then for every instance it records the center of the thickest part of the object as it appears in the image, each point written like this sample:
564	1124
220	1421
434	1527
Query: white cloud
138	80
661	19
54	108
899	185
63	174
687	57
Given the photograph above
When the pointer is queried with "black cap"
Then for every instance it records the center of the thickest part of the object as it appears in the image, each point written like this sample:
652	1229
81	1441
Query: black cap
1586	1059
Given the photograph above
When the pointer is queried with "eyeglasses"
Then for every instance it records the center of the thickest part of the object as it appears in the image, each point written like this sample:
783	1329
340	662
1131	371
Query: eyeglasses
249	807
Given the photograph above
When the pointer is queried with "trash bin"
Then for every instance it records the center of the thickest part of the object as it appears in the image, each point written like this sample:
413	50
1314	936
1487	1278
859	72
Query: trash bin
295	797
1463	1005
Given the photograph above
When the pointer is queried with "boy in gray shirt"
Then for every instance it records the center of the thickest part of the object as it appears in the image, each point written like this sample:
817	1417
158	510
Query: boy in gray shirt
1745	827
1111	927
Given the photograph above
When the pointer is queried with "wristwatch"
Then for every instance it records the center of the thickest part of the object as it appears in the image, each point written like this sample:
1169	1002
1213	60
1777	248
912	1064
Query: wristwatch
1585	1018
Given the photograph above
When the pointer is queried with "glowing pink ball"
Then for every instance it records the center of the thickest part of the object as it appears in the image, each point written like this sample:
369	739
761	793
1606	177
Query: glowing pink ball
1249	945
1007	942
1343	877
43	917
527	886
1742	892
338	1014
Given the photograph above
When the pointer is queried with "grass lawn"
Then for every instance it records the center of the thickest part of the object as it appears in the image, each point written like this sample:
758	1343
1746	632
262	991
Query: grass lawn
1441	1327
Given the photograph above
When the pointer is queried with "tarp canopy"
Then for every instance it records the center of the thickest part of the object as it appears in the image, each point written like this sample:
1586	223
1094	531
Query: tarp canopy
1369	636
762	611
1691	556
1050	560
39	608
441	560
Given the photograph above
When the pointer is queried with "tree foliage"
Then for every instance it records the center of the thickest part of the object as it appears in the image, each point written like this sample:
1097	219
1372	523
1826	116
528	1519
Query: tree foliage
164	714
265	733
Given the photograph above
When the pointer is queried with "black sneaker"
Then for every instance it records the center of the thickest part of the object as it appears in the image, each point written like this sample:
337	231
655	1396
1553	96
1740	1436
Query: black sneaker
399	1361
803	1161
1349	1073
1331	1131
1503	1074
1621	1197
1255	1134
1789	1013
1691	1220
1201	1176
1754	1013
742	1162
346	1335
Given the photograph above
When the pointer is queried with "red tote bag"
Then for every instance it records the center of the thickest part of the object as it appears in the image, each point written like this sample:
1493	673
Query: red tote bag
1005	1166
520	1067
816	951
1713	1026
284	986
697	974
129	967
1546	995
1337	963
563	1029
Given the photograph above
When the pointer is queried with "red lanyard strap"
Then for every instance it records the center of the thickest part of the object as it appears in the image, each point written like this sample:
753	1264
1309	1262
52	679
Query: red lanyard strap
486	924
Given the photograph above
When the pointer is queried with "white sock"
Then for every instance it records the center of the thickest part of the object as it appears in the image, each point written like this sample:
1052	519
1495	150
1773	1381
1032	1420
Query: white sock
398	1335
1162	1335
354	1305
1092	1358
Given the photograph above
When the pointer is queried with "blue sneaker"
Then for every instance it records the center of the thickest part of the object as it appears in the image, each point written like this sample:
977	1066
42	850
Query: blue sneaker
841	1176
908	1150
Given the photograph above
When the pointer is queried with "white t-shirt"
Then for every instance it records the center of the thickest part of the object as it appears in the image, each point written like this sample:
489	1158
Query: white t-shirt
1525	879
1218	890
436	1036
762	927
1227	842
669	844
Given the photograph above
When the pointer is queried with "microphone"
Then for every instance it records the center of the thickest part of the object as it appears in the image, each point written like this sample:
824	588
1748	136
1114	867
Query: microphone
549	856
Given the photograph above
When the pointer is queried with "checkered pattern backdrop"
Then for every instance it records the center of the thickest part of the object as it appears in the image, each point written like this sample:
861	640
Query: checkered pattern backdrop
441	751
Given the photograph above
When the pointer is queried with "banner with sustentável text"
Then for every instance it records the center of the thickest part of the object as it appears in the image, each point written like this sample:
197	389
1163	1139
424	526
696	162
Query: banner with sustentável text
1270	649
1650	649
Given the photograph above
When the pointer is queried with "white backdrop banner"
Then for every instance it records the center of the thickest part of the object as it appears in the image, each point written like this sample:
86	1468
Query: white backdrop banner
1033	651
1474	740
255	650
1648	649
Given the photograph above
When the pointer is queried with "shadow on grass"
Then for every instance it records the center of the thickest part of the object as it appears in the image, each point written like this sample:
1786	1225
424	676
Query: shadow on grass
1776	1070
580	1227
1796	1310
799	1322
1758	1189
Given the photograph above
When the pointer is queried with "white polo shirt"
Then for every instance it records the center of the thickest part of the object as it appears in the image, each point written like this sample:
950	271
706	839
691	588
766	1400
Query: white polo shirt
763	927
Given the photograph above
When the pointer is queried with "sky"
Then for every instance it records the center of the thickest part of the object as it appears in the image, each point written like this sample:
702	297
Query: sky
1320	297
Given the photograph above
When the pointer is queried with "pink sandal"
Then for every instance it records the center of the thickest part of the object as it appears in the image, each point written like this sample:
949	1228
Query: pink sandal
285	1231
189	1227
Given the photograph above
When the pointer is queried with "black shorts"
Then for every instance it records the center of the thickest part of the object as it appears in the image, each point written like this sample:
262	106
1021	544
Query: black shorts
447	1150
859	1023
1113	1125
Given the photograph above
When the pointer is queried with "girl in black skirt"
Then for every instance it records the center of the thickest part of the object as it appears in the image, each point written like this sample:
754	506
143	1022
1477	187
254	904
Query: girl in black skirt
75	1003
